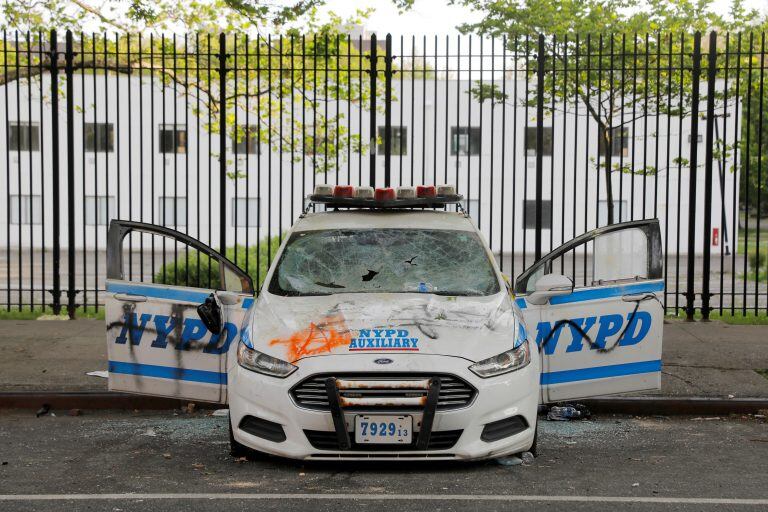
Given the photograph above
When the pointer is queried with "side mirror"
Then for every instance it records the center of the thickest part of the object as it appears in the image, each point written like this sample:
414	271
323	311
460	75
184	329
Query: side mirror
548	286
210	313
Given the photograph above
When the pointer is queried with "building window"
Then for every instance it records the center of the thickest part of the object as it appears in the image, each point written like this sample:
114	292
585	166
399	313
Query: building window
465	140
99	210
23	137
398	139
173	211
26	209
246	140
530	141
619	142
245	212
618	216
530	214
99	137
173	139
698	138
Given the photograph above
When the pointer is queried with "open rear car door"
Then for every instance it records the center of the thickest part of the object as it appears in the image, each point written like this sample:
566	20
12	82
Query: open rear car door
602	336
157	342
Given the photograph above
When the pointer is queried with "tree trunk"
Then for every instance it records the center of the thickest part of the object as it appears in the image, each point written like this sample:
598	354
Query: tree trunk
606	138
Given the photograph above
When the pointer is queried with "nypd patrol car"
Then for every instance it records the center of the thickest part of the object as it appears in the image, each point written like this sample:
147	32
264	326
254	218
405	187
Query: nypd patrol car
385	330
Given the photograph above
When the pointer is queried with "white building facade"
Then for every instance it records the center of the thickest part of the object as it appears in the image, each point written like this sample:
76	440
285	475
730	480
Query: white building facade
145	153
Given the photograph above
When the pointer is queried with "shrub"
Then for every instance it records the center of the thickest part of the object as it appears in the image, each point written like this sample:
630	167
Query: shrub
197	270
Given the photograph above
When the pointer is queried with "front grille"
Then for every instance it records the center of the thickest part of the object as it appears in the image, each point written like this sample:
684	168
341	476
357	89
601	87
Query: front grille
322	440
455	393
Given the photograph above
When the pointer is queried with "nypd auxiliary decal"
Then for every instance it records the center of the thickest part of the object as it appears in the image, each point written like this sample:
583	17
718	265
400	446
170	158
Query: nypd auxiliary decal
384	339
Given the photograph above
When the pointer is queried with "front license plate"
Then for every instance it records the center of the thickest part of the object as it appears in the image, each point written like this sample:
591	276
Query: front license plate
383	429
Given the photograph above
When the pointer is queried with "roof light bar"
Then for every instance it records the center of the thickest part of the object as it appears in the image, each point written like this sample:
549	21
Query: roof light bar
421	196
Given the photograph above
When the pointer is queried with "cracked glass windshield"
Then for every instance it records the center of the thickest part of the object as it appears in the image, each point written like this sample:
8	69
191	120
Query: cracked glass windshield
444	262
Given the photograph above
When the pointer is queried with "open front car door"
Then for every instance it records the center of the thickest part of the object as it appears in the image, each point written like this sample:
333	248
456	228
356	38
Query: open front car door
174	308
598	324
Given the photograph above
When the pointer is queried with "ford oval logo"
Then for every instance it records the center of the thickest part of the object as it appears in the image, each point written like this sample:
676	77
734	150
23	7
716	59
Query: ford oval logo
383	360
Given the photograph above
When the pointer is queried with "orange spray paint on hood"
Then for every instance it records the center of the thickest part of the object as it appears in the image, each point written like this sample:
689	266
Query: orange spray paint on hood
318	338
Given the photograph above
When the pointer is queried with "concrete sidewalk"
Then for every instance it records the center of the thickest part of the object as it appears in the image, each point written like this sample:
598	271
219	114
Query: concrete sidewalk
709	359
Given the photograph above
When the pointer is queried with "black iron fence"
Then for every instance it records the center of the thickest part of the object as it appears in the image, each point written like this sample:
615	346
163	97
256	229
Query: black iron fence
224	136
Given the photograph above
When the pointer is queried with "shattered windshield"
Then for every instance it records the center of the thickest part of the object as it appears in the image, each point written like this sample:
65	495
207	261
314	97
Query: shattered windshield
444	262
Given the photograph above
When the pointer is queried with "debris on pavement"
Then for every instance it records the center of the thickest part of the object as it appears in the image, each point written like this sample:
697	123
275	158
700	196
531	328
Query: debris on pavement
42	411
511	460
191	406
527	458
150	432
166	455
75	412
568	412
220	412
104	374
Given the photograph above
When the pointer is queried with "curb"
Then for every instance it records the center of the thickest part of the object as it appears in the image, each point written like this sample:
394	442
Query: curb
639	406
91	400
675	406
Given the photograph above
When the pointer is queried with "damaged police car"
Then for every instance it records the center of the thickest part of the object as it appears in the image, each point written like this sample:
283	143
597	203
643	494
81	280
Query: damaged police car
385	330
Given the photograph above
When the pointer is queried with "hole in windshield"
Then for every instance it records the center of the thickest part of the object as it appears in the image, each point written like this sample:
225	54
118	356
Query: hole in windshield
438	261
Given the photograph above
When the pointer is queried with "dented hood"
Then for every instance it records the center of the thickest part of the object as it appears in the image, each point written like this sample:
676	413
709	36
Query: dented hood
295	328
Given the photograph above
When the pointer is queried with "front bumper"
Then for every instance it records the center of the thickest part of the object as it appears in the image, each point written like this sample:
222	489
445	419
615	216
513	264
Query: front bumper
497	398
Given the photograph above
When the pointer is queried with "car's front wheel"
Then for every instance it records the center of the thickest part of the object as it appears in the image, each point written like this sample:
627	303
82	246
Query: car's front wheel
534	449
239	450
236	449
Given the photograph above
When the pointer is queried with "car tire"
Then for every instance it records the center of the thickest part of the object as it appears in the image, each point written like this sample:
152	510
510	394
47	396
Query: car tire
534	449
239	450
236	449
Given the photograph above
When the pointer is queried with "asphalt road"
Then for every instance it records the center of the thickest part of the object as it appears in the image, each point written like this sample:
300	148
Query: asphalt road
164	461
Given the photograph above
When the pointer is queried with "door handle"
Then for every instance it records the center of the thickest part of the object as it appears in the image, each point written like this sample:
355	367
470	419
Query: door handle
638	297
127	297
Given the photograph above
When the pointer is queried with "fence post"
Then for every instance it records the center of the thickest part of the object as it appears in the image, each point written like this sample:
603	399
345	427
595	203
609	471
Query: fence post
711	76
54	70
222	143
693	164
69	71
388	111
372	125
539	142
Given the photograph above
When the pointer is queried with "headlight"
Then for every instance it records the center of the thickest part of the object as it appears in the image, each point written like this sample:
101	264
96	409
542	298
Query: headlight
262	363
505	362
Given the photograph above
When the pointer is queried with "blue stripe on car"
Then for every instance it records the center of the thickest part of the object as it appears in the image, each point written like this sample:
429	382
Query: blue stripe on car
167	372
600	372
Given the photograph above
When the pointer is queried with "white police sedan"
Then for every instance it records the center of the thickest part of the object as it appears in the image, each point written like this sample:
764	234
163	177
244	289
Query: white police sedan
385	330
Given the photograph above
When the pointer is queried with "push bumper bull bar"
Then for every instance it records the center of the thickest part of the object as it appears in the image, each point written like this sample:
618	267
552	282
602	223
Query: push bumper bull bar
340	426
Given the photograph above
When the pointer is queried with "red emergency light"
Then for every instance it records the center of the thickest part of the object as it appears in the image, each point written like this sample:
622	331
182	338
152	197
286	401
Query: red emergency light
426	191
384	194
343	191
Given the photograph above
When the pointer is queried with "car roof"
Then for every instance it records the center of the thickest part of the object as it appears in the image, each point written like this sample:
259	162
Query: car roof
414	219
